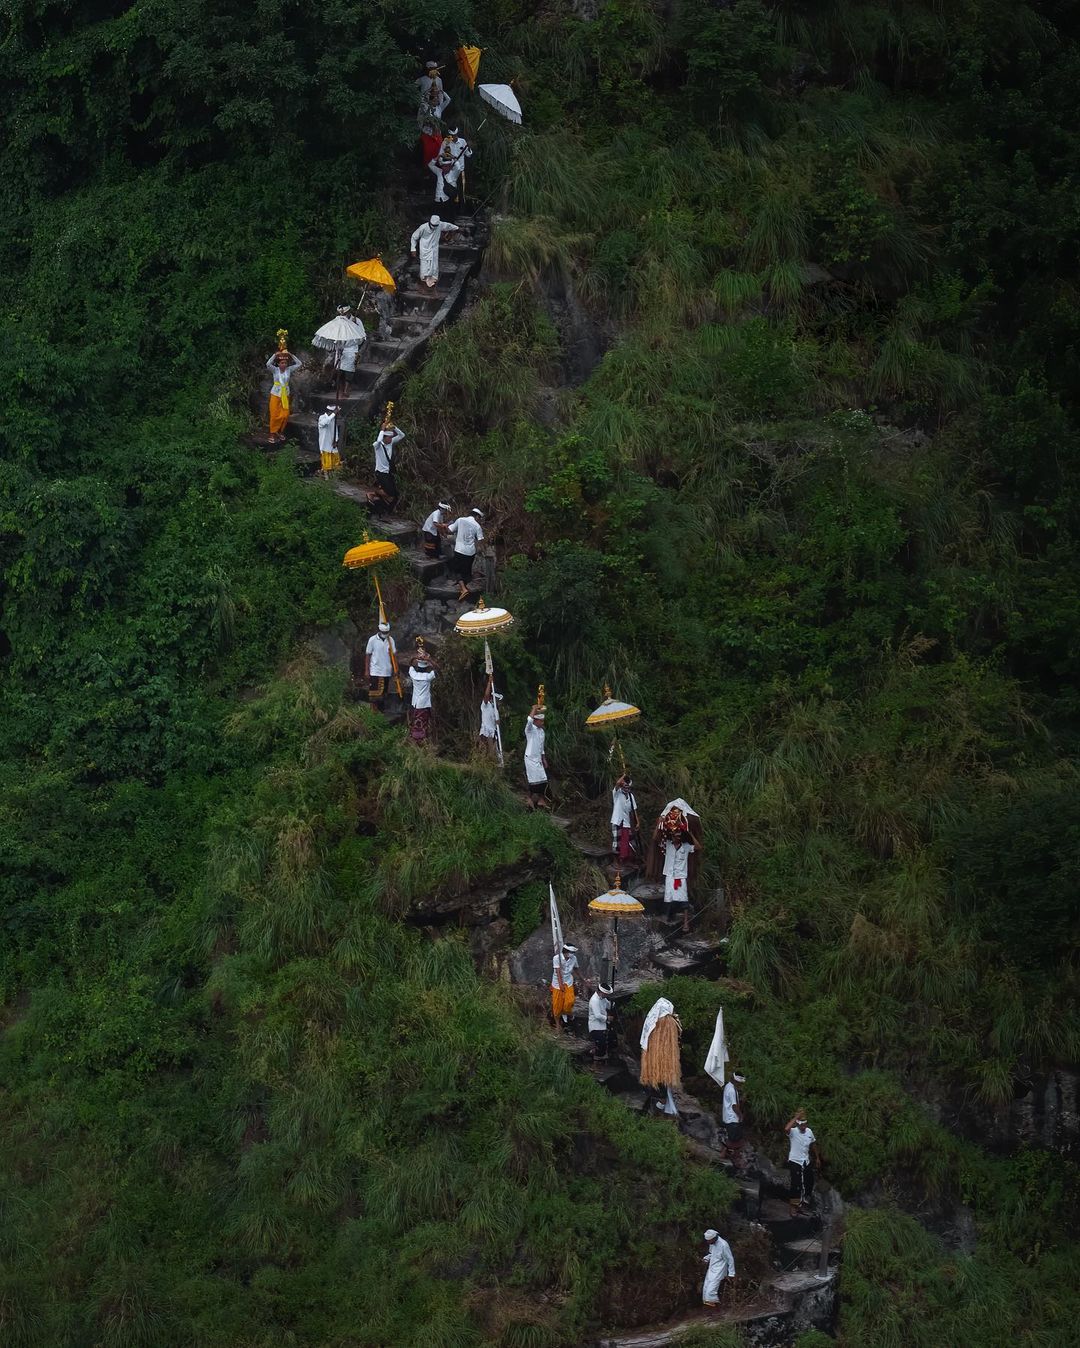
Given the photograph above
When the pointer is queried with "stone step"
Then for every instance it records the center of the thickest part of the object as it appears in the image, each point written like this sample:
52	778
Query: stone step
386	352
402	532
426	569
676	962
447	590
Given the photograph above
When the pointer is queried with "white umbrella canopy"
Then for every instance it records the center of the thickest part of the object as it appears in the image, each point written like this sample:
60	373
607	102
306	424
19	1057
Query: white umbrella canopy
339	332
503	99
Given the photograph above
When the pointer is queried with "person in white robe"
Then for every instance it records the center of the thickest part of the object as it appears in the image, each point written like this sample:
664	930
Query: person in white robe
676	874
536	759
425	243
434	100
721	1267
329	448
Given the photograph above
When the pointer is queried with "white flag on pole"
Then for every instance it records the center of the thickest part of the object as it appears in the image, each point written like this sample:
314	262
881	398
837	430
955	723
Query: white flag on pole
556	925
716	1061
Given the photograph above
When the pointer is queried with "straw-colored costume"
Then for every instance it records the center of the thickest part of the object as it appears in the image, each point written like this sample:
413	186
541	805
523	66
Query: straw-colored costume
660	1065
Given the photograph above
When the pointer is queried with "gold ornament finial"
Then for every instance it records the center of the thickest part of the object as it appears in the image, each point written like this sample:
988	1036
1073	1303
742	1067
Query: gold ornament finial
607	692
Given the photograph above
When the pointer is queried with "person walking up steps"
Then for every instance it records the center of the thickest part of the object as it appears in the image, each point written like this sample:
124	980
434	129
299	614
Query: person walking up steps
802	1155
282	365
563	973
467	532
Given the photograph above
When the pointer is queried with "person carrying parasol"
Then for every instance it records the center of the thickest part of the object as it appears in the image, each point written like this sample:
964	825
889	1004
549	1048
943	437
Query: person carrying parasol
625	823
380	658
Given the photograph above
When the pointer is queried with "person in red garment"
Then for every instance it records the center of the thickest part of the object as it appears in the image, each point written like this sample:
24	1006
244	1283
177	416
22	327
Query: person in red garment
430	143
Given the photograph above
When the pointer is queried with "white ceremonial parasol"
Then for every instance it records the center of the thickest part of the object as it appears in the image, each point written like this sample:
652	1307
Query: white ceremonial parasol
336	334
503	99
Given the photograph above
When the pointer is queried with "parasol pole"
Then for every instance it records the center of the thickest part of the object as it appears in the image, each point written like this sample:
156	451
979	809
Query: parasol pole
382	619
489	669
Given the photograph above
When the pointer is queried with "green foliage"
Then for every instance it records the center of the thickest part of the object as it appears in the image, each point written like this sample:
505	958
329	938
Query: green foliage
815	509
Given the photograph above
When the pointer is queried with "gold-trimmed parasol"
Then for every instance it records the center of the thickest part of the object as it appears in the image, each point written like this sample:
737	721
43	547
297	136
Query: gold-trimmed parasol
370	553
481	621
616	903
610	710
373	272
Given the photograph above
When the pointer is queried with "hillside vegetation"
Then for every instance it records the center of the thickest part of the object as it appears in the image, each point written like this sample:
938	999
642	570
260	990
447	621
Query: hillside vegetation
815	509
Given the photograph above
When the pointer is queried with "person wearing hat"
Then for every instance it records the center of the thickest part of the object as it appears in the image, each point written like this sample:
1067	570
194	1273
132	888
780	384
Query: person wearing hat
425	241
346	371
489	719
802	1157
282	365
625	824
433	529
379	659
434	100
384	445
600	1021
563	972
467	532
329	449
732	1118
721	1268
422	676
536	759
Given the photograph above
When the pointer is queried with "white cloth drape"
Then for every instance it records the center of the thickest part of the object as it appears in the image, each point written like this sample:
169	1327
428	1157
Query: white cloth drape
717	1057
660	1008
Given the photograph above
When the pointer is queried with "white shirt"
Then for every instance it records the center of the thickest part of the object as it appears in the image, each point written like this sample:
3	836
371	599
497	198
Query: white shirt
731	1099
348	357
489	717
598	1012
379	650
799	1145
467	533
623	806
431	524
534	752
326	433
568	964
677	860
422	680
383	445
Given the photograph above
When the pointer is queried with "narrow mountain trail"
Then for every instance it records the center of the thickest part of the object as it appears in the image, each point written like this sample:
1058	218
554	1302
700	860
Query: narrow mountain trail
800	1291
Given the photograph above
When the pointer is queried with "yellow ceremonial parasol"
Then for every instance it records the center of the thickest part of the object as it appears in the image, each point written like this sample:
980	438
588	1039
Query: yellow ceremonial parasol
468	64
482	621
370	553
373	272
616	903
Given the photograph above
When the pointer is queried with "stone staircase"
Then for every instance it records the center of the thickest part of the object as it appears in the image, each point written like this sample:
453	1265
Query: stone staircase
421	313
